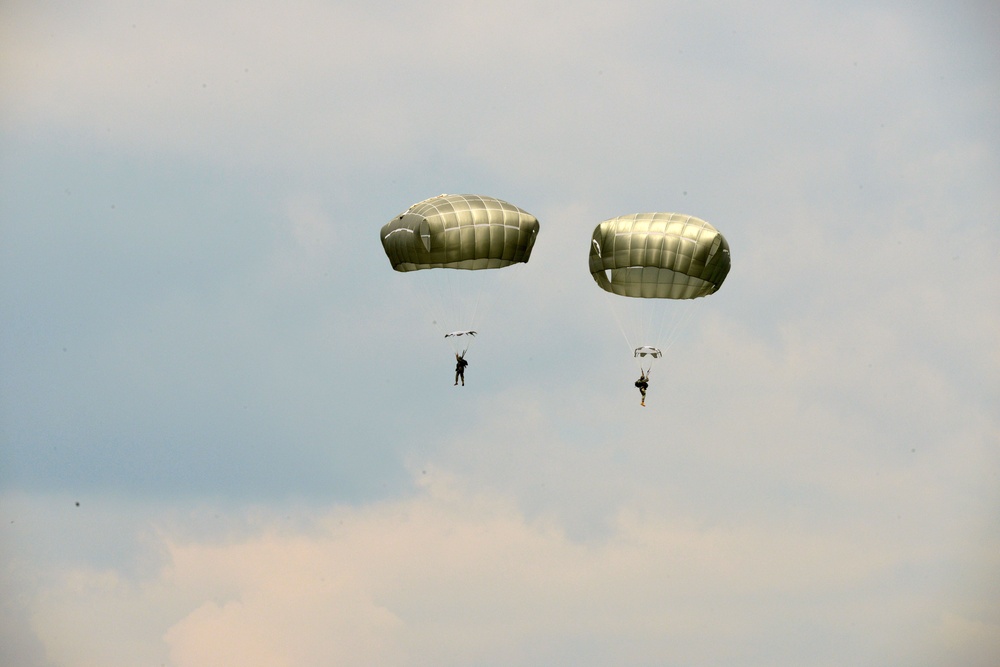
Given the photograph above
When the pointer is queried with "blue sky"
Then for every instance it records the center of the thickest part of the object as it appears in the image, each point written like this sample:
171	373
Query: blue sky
202	343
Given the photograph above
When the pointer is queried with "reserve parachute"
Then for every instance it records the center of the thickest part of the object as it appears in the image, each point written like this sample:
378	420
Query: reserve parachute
657	261
452	244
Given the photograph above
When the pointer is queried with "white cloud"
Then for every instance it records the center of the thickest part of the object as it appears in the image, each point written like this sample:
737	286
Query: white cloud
451	577
259	83
540	89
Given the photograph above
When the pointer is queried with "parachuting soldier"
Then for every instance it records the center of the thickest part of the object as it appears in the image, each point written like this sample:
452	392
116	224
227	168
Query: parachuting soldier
466	232
652	256
643	384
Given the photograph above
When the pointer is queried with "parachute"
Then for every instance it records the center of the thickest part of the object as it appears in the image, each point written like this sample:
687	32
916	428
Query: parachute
459	232
659	256
471	233
650	257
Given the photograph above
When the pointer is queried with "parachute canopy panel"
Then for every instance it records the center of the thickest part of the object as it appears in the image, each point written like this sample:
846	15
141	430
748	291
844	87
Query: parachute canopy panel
459	232
659	256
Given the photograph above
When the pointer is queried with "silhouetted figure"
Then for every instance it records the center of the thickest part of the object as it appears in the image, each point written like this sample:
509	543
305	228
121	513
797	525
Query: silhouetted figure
460	364
643	384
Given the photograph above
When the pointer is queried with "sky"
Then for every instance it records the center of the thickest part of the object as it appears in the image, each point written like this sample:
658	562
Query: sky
228	430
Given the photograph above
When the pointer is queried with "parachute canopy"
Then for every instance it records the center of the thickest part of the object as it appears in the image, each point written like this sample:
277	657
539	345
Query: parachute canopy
659	256
459	232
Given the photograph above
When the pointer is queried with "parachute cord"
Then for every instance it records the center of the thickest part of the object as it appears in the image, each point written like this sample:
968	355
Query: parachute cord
481	283
678	325
618	321
475	308
450	302
432	305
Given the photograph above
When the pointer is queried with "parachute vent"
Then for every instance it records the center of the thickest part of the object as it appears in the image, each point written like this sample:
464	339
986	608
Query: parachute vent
425	234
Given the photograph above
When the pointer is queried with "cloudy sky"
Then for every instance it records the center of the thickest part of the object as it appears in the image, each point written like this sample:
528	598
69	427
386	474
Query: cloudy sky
228	430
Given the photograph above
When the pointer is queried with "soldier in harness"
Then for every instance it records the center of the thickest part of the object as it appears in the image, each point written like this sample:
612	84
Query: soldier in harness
460	364
643	384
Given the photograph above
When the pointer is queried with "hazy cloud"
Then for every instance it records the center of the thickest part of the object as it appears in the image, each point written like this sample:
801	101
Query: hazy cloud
455	576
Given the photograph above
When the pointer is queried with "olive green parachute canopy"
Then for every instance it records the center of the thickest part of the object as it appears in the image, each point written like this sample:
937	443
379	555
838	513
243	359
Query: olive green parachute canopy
659	256
459	232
